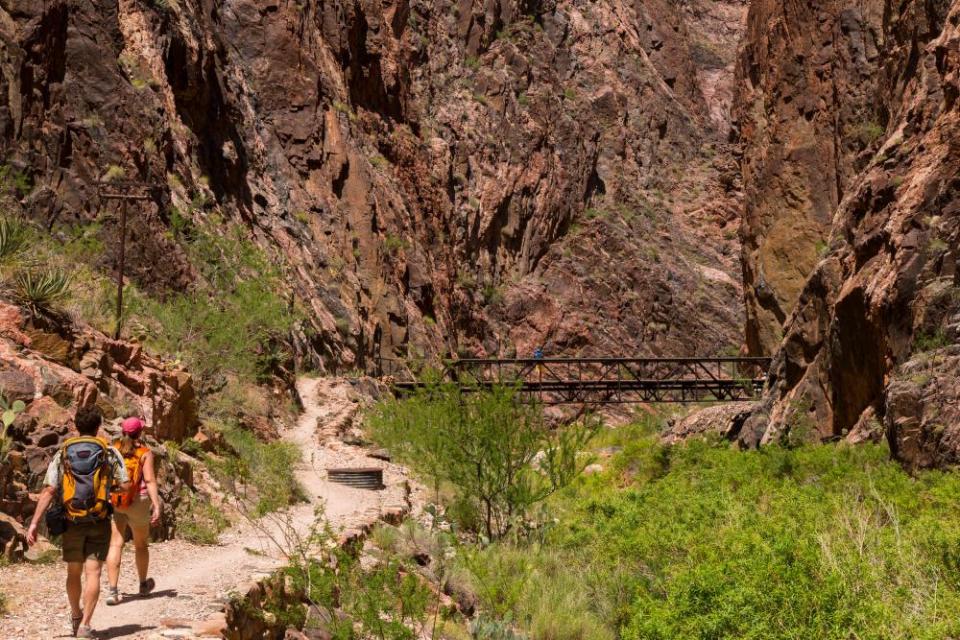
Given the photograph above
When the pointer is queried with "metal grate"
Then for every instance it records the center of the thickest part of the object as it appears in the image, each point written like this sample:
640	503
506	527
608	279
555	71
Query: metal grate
360	478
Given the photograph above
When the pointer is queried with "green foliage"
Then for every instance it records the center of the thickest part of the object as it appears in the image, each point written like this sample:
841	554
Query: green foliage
869	132
198	520
13	239
266	468
569	93
498	453
345	109
385	602
937	245
236	321
394	243
379	161
17	181
41	289
523	99
704	541
3	603
113	174
930	341
472	62
492	294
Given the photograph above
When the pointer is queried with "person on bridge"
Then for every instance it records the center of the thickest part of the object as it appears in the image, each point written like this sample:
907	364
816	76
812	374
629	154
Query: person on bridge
138	508
77	486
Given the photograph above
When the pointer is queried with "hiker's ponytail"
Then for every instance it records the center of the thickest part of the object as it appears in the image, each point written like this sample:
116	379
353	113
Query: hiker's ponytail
127	446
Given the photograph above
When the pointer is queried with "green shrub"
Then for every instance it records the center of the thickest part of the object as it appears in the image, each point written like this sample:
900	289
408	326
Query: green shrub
827	542
386	602
3	603
114	173
869	132
198	520
236	321
265	467
930	341
18	181
498	453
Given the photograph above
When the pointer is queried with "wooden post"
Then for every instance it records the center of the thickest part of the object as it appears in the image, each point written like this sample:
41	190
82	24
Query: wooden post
125	191
120	267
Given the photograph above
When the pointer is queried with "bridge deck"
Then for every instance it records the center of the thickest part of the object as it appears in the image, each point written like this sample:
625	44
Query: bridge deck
611	380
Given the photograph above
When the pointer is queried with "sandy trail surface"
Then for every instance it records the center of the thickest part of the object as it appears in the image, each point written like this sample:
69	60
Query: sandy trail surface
194	582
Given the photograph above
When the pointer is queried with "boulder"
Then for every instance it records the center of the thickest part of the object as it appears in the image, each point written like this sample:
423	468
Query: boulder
17	385
13	539
724	421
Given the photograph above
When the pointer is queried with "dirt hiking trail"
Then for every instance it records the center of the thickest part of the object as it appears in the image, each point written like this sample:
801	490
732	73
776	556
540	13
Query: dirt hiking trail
193	581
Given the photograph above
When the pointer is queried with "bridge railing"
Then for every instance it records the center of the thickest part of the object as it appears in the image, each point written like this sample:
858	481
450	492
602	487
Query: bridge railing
613	380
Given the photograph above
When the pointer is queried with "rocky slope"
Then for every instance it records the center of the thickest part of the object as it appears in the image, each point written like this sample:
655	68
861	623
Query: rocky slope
435	176
56	371
849	117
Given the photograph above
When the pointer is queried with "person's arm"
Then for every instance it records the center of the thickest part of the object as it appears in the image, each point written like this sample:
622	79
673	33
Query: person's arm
43	503
150	477
50	483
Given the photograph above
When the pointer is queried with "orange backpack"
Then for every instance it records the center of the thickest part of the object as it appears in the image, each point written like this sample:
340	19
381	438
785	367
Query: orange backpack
86	477
134	465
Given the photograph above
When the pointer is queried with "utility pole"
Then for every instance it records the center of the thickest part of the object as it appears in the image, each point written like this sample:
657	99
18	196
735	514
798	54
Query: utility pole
125	191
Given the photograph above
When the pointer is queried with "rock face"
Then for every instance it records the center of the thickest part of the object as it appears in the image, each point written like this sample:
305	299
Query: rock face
867	334
435	176
808	116
57	372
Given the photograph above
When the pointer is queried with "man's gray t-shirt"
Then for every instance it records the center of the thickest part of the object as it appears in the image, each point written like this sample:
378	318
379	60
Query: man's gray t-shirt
52	478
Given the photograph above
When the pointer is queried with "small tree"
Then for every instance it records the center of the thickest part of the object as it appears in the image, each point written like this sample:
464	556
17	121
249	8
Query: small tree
498	452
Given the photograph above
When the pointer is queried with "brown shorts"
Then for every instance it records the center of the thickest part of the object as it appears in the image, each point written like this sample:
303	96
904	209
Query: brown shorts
86	540
136	515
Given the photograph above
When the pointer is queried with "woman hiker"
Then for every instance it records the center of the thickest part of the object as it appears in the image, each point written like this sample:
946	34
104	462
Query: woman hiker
137	508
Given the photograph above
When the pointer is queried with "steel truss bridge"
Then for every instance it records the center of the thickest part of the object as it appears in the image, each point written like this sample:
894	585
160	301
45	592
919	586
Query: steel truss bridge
554	381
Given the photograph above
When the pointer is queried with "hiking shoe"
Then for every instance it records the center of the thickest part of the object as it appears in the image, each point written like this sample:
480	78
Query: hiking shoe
85	632
75	623
113	596
147	586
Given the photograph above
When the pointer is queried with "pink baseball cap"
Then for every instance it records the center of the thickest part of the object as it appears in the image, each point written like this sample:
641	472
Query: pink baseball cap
132	426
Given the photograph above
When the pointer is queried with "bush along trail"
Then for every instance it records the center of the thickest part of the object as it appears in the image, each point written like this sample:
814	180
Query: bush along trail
196	582
651	541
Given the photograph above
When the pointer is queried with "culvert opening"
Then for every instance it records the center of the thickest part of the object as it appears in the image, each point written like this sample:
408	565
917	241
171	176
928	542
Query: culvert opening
358	478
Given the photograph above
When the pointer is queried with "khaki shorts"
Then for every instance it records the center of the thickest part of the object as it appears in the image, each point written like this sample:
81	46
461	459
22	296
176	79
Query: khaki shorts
86	540
136	515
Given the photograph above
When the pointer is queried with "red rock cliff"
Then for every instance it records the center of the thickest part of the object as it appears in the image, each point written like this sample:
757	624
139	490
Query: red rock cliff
435	176
850	120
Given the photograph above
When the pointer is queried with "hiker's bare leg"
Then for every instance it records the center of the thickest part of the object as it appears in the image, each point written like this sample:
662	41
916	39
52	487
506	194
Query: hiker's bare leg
74	587
141	543
91	590
115	554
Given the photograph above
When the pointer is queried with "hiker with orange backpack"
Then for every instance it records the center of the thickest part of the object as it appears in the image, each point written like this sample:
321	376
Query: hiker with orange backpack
137	508
76	502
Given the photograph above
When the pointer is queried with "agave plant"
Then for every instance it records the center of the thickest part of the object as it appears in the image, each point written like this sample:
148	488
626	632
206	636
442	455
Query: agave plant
13	238
39	290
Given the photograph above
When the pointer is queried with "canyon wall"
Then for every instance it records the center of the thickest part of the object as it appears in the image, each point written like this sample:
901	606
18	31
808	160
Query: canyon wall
849	120
465	176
